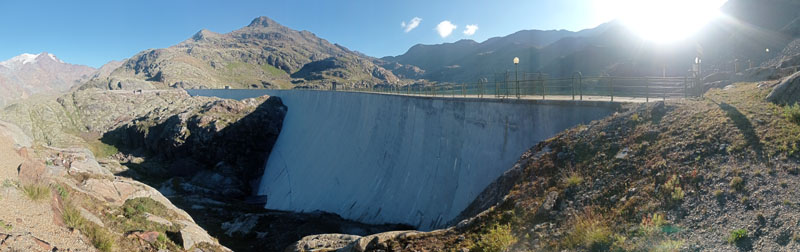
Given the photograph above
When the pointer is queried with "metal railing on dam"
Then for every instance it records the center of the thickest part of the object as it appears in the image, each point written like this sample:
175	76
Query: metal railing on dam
539	86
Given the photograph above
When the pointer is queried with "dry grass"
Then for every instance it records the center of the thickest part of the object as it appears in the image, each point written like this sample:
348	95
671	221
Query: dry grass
36	192
590	230
498	238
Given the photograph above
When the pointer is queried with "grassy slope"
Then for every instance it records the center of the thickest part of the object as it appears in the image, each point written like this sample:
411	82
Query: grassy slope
696	171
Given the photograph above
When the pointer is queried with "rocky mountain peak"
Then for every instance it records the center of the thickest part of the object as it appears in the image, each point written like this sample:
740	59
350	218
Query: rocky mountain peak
263	21
204	34
27	58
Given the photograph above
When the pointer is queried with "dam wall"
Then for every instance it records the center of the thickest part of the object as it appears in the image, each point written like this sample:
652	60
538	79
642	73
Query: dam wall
379	158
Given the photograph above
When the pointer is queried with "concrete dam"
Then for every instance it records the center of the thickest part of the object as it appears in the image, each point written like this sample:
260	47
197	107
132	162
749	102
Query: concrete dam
378	158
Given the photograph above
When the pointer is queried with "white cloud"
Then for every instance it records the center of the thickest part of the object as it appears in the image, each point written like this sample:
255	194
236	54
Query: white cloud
411	24
445	28
470	30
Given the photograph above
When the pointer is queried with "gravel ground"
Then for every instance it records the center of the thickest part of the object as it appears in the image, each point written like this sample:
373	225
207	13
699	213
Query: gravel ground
25	218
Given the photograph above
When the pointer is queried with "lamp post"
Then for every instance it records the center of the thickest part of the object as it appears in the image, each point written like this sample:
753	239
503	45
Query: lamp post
516	76
697	62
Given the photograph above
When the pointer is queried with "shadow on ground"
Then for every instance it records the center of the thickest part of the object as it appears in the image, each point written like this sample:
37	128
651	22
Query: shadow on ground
211	172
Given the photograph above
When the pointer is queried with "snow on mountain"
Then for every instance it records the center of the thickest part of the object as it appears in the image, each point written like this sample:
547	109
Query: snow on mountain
28	74
27	58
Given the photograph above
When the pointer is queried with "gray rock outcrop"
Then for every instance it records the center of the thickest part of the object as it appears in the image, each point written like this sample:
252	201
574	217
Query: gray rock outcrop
787	91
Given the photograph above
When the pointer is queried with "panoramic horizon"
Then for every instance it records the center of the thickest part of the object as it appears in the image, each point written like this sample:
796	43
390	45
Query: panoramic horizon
98	32
574	125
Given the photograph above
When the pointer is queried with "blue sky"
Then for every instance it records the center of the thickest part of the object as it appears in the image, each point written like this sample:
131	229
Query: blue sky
94	32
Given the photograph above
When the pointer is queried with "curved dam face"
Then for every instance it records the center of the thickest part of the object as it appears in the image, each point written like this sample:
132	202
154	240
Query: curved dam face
397	159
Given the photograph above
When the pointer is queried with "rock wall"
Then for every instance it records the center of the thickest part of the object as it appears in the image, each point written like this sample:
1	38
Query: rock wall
394	159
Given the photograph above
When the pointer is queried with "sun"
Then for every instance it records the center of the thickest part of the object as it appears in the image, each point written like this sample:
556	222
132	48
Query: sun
664	21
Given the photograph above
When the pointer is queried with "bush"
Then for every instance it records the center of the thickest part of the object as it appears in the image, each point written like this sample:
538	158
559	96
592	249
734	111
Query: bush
63	193
737	183
673	189
574	179
36	192
101	239
497	239
668	246
72	217
650	225
737	235
590	231
792	113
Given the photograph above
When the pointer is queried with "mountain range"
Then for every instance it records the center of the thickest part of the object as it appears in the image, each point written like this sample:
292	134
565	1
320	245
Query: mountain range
265	54
28	74
749	27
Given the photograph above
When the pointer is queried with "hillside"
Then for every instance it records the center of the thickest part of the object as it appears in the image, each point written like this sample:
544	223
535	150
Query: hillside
743	33
714	173
263	54
29	74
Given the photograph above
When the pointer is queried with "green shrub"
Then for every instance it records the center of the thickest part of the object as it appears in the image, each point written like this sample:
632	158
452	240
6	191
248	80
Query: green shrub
161	241
737	235
574	179
63	193
10	183
792	113
7	226
497	239
101	239
590	231
737	183
36	192
673	189
668	246
72	217
652	224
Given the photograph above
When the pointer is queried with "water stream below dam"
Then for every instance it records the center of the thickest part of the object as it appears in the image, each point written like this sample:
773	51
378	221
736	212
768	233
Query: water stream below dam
379	158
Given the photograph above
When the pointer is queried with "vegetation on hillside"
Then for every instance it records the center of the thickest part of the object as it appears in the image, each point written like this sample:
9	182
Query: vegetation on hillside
701	174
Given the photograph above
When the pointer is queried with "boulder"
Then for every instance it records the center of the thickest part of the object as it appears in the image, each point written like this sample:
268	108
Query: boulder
377	241
151	236
117	191
31	171
91	217
242	225
191	234
90	166
322	242
157	219
787	91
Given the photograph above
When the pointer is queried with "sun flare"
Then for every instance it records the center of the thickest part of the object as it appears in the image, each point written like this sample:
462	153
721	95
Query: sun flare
664	21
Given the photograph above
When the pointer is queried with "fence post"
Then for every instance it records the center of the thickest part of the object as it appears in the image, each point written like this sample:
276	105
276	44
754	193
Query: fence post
647	89
544	91
685	81
516	79
496	88
580	85
611	84
506	86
